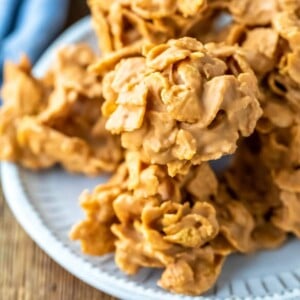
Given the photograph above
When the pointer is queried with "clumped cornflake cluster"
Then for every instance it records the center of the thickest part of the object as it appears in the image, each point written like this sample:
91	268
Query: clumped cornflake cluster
175	102
123	23
180	84
57	119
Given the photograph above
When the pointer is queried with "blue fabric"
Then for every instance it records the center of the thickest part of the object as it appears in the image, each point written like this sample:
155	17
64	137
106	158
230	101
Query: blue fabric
28	26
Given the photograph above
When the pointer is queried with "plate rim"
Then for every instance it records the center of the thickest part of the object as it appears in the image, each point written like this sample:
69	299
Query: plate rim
31	221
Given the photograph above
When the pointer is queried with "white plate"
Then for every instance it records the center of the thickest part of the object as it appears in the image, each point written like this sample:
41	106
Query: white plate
46	205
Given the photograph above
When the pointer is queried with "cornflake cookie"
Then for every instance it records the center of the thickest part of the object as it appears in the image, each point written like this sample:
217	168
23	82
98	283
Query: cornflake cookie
186	225
56	119
145	216
265	178
280	152
272	50
124	23
266	172
286	175
250	182
181	103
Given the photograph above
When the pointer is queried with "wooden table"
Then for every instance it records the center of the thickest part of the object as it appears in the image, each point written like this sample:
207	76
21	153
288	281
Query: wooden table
26	272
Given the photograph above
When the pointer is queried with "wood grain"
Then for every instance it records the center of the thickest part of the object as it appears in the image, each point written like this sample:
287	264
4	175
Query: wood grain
26	272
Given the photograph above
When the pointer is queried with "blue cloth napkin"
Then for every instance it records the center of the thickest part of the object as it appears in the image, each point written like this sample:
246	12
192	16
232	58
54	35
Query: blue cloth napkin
28	26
